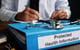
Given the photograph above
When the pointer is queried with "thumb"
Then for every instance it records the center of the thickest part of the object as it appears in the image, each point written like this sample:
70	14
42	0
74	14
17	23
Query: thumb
54	15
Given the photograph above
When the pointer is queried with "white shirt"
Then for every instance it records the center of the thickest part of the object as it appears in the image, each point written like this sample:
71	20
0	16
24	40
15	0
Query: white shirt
10	8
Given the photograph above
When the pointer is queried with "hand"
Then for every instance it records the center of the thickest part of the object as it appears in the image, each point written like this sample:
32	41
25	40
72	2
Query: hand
27	15
54	15
61	14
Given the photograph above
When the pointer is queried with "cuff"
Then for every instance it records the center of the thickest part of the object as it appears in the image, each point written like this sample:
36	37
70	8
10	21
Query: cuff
13	17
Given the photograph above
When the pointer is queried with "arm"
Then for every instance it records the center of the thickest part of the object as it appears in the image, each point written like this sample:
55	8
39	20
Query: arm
8	10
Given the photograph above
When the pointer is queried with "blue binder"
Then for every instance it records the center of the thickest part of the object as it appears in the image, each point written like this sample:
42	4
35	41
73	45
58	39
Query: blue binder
42	38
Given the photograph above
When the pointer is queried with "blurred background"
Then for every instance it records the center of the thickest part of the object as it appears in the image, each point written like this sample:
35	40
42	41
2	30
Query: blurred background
0	3
75	9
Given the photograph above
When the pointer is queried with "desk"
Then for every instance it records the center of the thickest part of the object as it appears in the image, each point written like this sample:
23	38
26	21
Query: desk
3	29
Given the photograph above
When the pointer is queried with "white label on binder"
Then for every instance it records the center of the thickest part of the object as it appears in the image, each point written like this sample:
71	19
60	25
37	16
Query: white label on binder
57	39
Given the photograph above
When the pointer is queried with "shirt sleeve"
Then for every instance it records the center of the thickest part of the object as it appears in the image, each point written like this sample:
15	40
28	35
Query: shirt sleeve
8	10
63	4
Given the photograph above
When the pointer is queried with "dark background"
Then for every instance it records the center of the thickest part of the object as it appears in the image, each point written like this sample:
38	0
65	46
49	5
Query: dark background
75	9
0	3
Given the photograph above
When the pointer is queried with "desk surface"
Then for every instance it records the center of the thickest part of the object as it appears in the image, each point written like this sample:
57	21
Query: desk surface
4	26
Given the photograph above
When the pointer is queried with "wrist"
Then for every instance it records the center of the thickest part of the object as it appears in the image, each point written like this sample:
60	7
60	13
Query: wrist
18	15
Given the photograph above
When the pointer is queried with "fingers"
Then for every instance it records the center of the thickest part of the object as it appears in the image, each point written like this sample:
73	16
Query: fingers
33	16
32	11
26	18
62	14
28	15
54	15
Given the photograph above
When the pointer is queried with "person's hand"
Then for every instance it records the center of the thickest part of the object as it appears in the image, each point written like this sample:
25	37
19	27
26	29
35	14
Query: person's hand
61	14
28	15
